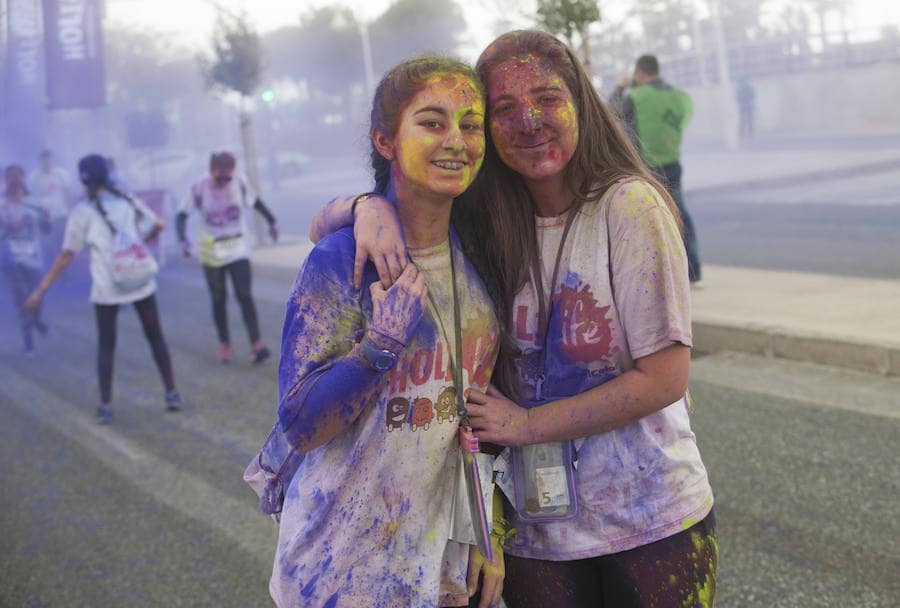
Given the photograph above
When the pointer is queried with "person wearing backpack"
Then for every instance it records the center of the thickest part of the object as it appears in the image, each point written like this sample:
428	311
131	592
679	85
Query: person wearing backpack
223	249
384	508
115	228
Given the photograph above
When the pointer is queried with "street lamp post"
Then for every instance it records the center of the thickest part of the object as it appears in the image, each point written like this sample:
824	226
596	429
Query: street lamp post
726	98
367	56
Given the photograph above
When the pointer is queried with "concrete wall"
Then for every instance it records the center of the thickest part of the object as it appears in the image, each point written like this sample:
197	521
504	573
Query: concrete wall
856	101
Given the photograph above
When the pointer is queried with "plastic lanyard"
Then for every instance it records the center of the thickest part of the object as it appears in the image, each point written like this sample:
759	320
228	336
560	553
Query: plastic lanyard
456	360
544	315
468	443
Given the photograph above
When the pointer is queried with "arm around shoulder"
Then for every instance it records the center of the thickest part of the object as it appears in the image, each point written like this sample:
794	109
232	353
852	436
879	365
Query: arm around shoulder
331	217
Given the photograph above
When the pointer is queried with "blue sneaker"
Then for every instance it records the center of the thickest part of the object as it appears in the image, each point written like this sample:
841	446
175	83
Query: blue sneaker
260	354
104	414
173	401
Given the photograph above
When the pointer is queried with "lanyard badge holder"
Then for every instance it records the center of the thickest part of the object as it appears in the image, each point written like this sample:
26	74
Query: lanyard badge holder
544	473
544	481
468	443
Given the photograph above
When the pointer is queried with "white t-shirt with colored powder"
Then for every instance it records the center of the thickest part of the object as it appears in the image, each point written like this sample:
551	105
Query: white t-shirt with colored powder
222	237
49	189
622	293
20	233
368	517
86	228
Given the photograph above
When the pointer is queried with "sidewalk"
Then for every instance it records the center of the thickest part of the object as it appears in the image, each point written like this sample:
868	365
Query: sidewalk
840	321
832	320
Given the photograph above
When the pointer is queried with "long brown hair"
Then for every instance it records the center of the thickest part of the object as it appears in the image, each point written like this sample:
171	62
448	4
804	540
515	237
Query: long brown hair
493	211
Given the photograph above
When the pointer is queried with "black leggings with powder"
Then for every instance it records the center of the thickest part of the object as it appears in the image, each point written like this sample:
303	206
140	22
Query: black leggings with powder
106	330
675	572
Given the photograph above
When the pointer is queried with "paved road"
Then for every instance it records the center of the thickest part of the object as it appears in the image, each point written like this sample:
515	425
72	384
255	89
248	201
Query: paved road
847	226
152	511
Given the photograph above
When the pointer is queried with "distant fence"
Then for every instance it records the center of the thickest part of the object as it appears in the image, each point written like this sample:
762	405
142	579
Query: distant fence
772	57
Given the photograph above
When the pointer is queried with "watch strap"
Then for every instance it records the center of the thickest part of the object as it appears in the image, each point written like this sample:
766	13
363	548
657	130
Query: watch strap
358	200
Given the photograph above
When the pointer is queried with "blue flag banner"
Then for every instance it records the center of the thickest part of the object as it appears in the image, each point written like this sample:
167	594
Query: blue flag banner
23	94
73	42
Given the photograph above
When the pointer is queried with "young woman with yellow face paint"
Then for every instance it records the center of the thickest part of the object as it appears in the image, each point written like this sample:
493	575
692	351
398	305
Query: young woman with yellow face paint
376	514
584	248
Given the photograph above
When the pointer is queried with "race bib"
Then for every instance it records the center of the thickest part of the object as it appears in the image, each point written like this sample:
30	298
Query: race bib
228	247
552	488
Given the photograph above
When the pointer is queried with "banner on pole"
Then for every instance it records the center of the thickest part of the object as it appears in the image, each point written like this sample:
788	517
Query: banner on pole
23	94
73	43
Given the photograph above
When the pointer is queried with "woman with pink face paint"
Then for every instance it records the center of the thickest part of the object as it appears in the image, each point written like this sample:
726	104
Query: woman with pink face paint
377	512
586	252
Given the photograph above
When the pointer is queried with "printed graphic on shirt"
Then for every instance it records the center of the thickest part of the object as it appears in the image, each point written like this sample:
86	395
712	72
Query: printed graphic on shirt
407	408
20	234
421	411
579	326
222	216
220	207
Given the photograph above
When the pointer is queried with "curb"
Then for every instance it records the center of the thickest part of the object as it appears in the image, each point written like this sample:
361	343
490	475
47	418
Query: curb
778	342
800	178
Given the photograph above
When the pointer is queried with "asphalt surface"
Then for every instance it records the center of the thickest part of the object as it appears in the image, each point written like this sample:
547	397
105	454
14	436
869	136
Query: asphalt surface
152	511
848	225
845	224
804	472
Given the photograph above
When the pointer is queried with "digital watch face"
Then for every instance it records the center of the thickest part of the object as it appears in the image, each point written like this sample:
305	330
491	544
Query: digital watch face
383	362
380	360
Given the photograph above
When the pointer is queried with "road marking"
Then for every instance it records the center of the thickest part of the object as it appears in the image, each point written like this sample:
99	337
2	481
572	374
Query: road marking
237	520
192	419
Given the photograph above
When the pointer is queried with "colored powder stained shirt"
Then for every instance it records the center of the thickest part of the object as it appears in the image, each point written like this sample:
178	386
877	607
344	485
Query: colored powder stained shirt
21	225
622	294
661	112
222	235
368	517
86	227
49	189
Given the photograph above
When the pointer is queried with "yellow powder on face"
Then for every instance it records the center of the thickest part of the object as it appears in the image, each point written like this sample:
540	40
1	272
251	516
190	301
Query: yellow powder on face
415	151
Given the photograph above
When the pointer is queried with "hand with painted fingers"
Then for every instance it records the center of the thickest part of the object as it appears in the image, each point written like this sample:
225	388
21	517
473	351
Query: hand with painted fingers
379	237
490	573
496	419
396	311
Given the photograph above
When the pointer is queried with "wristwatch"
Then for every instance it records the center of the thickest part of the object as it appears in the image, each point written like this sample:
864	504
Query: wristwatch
380	360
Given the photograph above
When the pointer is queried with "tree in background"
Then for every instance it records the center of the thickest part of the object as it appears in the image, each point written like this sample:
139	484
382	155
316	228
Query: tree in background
322	50
507	15
568	18
236	66
743	21
822	9
323	55
667	24
410	27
